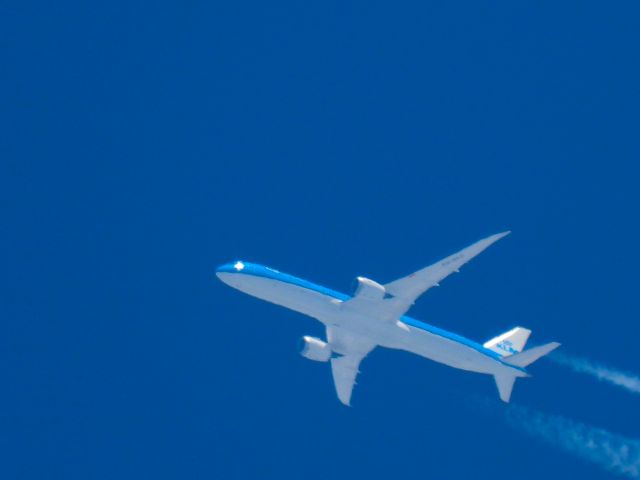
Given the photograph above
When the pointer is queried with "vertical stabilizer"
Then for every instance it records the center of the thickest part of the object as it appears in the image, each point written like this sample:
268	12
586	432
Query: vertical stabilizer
510	342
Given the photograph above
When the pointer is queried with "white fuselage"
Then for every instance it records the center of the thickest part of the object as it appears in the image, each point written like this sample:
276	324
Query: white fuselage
403	333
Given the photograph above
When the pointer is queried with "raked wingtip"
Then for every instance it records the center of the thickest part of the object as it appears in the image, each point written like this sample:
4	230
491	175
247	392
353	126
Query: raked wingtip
500	235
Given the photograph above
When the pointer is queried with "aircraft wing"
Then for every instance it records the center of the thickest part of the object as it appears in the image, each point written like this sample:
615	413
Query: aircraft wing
406	290
345	370
345	367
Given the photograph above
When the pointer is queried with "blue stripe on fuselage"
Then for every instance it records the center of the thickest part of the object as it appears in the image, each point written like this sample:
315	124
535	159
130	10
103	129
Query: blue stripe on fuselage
255	269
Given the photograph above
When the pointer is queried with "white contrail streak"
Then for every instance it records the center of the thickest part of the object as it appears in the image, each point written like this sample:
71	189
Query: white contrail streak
606	449
625	380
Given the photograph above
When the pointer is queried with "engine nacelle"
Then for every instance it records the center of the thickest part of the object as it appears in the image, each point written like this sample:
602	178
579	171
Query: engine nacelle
367	288
315	349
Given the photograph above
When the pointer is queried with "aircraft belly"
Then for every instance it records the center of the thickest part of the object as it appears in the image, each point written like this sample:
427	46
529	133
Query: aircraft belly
383	333
449	352
287	295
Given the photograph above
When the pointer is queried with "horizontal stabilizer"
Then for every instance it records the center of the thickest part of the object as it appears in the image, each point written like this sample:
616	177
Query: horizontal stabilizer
510	342
529	356
505	386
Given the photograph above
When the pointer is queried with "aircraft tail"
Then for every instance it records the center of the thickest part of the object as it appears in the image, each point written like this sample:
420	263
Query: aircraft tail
505	381
510	342
529	356
505	386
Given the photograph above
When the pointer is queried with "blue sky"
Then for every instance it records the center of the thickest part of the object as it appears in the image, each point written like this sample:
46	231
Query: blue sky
145	143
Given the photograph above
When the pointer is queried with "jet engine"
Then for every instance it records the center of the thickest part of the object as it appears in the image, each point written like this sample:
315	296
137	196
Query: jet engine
367	288
315	349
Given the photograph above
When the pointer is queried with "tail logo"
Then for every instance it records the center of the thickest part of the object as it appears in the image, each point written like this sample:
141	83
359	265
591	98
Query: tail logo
507	346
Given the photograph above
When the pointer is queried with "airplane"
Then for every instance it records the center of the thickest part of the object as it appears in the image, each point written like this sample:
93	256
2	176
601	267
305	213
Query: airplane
375	317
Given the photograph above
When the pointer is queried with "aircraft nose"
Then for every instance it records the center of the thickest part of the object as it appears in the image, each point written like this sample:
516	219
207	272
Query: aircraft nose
231	267
224	268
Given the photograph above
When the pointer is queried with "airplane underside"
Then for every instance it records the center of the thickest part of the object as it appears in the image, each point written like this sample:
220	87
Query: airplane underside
374	317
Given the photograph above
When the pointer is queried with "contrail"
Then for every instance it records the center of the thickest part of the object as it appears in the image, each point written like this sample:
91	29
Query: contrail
625	380
608	450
